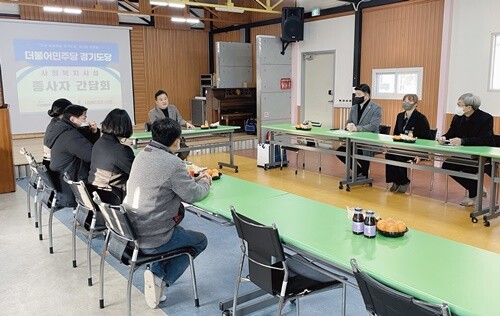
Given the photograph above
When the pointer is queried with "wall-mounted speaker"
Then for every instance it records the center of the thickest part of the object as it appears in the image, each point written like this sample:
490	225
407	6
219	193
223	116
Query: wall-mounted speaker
292	24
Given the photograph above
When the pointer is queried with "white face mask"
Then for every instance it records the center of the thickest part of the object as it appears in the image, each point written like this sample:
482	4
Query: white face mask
84	124
459	110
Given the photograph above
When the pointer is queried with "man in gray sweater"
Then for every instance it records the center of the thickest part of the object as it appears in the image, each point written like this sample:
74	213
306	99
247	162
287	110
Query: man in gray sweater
158	183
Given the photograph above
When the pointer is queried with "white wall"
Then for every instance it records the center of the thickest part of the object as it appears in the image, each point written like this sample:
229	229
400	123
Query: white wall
326	35
473	23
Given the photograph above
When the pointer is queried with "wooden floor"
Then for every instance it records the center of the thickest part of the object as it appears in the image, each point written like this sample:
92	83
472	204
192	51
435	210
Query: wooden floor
424	210
424	213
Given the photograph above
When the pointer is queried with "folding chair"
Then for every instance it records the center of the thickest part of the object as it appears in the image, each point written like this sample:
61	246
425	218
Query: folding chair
85	218
34	183
286	278
121	233
382	300
47	198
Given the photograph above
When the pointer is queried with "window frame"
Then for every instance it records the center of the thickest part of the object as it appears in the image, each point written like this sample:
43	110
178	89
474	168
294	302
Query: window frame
494	59
376	94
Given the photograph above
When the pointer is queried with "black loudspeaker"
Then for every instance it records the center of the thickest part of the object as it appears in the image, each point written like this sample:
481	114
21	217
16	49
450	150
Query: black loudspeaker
292	24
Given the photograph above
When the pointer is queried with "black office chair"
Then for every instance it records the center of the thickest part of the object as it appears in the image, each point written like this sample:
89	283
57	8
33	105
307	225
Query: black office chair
384	129
382	300
47	198
34	183
286	278
122	244
426	160
86	218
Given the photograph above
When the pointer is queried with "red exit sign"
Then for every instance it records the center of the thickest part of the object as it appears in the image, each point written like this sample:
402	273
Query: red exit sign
285	83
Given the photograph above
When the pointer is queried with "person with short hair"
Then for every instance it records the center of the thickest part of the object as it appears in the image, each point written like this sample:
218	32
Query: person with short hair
365	116
56	112
470	126
71	147
164	109
410	121
158	184
111	160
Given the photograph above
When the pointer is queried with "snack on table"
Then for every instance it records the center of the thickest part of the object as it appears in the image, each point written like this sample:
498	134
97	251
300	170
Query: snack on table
391	225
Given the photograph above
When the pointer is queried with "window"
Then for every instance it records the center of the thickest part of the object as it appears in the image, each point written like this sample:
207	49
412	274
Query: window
394	83
495	63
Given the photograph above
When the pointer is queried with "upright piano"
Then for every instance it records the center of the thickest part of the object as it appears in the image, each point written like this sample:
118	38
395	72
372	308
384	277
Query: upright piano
231	106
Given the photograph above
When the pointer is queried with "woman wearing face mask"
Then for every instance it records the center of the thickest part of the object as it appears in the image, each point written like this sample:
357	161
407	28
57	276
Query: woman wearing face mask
71	145
410	120
469	127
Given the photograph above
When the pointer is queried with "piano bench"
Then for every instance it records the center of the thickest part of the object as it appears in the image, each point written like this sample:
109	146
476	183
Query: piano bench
235	116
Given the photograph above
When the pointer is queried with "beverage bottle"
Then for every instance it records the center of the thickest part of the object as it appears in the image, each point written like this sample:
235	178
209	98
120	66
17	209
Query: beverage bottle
410	133
358	221
370	228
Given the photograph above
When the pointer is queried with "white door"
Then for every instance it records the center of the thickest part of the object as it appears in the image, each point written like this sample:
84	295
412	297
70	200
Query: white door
318	82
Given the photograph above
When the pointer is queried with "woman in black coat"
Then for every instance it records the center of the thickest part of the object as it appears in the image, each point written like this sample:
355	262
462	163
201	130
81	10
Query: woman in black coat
410	121
71	142
111	160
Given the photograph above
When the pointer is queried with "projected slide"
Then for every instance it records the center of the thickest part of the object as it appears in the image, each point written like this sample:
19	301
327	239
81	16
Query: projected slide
83	72
44	61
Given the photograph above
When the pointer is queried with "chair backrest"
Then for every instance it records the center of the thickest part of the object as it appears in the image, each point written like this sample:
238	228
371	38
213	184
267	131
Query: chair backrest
384	129
497	140
433	133
82	195
382	300
46	177
264	250
29	157
116	219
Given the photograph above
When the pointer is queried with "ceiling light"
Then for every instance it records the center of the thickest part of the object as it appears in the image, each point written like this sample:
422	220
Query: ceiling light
72	10
227	9
192	21
177	5
168	4
159	3
178	20
52	9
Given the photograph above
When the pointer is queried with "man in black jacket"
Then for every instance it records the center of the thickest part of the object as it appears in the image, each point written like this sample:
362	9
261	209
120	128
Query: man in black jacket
71	142
469	127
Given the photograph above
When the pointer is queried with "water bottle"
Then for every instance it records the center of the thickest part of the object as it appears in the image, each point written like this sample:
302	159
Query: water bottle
358	221
370	228
438	134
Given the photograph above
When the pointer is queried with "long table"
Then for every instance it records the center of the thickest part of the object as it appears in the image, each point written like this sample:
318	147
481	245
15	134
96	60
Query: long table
468	155
428	267
188	133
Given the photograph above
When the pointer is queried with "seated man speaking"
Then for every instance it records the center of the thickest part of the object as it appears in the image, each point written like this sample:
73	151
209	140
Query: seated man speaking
158	183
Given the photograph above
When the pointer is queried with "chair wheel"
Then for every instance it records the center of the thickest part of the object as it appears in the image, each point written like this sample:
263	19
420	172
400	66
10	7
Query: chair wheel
236	170
220	167
474	219
341	186
486	223
348	188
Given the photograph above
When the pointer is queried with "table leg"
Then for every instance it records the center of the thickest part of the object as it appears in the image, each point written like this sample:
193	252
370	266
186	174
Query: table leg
478	208
231	155
134	143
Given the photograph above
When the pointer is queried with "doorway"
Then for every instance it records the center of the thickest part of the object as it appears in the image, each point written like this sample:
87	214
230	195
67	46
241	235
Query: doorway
318	80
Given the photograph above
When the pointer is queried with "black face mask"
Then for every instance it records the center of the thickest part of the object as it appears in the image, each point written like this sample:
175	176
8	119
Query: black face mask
358	100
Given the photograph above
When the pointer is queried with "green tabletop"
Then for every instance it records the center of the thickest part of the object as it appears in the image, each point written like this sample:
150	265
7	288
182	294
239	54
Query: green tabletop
189	132
315	131
229	191
427	145
429	267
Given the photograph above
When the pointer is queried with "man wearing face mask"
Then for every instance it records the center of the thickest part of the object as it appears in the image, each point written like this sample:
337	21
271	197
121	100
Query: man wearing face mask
365	116
469	127
410	120
71	144
158	183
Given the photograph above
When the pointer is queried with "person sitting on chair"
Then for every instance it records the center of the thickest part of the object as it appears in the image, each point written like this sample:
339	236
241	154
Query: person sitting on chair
71	147
410	121
56	112
111	160
469	127
365	116
164	109
158	183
